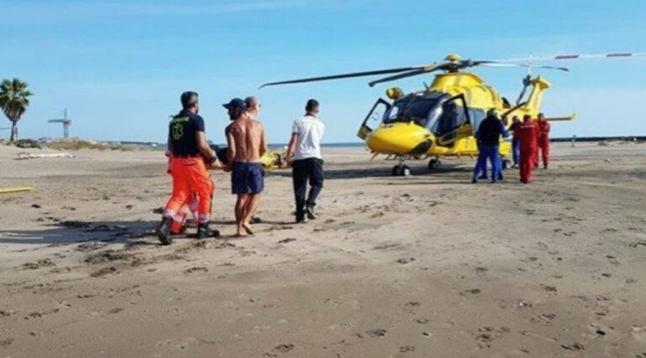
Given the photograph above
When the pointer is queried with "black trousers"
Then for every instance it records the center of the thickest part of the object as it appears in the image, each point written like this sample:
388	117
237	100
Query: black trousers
304	170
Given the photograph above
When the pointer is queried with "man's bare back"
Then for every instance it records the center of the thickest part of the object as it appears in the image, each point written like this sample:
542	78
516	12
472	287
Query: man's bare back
248	138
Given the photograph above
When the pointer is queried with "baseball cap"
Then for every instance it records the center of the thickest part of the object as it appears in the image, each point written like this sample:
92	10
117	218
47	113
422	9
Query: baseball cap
235	103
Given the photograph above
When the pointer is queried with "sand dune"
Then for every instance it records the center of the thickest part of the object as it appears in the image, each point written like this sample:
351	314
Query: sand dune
423	266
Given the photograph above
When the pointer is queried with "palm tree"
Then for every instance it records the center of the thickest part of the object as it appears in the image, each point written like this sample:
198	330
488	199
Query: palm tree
14	100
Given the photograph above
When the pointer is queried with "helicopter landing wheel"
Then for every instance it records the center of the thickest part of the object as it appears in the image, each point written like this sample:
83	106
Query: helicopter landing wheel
506	164
434	164
401	171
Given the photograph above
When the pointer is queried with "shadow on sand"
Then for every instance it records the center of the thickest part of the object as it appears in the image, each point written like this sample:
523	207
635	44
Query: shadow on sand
110	232
382	171
74	232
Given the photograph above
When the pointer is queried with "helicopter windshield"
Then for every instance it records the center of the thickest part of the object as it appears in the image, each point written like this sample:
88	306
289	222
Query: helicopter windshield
411	108
437	112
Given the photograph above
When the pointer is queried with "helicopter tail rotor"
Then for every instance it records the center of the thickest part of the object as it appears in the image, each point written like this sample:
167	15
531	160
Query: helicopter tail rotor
527	81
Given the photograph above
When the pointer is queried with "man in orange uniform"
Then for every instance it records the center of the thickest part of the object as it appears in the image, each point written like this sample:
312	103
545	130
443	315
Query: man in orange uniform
180	225
190	207
190	155
527	133
543	139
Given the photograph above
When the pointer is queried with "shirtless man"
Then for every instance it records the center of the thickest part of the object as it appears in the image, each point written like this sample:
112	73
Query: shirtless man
253	107
246	141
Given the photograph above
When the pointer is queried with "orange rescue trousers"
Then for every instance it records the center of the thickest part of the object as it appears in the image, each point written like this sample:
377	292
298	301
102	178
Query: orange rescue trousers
191	184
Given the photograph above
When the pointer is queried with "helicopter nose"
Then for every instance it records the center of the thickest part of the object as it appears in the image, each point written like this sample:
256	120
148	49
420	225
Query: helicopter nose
398	138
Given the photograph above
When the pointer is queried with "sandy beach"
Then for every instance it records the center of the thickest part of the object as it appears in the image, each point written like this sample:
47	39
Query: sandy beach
422	266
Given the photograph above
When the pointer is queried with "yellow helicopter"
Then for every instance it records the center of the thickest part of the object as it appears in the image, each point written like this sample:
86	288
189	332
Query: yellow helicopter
441	120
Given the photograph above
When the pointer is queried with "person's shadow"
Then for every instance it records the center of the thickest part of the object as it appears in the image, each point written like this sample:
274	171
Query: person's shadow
74	232
116	232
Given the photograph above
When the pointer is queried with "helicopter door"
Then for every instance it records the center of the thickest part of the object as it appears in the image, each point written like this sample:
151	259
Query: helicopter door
374	117
454	116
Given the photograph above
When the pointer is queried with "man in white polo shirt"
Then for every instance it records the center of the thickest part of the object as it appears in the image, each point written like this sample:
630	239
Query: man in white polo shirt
305	145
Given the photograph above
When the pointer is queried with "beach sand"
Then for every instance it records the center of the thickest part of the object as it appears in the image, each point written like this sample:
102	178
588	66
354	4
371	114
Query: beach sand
422	266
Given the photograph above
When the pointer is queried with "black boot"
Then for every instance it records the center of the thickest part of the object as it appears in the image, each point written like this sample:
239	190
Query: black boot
163	231
300	217
204	232
311	215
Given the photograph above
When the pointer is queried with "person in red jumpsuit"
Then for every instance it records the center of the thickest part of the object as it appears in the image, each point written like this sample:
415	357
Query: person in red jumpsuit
543	140
527	133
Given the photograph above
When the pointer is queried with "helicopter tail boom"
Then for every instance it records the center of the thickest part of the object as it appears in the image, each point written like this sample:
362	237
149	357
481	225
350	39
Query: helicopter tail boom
536	96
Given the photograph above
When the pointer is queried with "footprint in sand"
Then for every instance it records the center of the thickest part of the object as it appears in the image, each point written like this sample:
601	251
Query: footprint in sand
104	271
108	256
613	260
487	335
472	291
116	310
374	333
197	269
406	349
595	331
481	270
38	264
639	333
34	315
388	246
6	313
405	261
551	290
283	348
285	241
573	347
547	317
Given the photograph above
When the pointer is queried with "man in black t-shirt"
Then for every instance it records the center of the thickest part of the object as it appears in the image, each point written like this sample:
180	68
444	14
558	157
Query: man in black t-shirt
489	133
190	155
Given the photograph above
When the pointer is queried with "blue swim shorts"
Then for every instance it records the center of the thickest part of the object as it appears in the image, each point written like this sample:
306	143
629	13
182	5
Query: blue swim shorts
247	178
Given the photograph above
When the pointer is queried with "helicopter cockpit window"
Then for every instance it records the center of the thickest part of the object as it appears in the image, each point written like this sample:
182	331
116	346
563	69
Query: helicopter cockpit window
379	110
448	116
410	108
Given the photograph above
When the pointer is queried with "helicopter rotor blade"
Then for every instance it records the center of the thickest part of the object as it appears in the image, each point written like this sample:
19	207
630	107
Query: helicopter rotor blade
344	75
415	72
396	77
509	64
566	57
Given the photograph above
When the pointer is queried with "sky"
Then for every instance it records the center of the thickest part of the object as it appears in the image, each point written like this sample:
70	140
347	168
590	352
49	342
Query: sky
120	66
